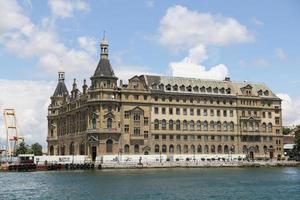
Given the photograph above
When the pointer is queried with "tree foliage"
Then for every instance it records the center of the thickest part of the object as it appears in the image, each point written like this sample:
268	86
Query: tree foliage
297	140
286	131
35	149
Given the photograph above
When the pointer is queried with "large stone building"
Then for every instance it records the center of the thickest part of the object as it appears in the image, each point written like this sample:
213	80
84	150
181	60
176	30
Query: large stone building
163	115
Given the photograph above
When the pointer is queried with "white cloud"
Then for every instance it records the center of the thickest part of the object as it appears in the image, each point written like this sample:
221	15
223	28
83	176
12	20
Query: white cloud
88	43
280	53
30	99
22	37
256	21
182	29
261	62
290	109
65	8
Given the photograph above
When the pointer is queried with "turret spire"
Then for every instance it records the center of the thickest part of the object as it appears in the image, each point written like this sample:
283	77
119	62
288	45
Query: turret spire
104	47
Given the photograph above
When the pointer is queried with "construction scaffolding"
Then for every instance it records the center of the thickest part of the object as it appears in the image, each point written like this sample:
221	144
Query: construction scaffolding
12	133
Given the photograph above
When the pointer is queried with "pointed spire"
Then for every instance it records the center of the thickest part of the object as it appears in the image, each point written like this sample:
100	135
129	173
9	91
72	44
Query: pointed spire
61	87
61	76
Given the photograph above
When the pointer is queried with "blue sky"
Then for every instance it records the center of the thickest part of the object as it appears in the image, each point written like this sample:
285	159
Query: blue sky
260	44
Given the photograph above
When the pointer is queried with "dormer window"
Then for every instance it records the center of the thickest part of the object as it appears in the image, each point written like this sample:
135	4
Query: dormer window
222	90
196	89
259	92
182	88
161	86
175	87
228	91
202	89
209	89
154	86
266	93
189	88
168	87
216	90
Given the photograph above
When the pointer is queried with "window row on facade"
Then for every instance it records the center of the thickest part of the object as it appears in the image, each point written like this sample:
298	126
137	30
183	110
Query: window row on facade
193	111
192	125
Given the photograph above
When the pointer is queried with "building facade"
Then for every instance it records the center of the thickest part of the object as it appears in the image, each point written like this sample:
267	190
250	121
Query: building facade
163	115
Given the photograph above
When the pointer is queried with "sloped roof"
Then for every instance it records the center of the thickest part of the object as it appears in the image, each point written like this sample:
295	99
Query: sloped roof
61	89
104	69
235	87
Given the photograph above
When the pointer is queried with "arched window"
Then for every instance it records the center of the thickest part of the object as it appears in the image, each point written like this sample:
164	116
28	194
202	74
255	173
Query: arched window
178	149
212	125
109	123
232	149
192	125
156	124
198	125
264	127
245	126
219	126
82	149
171	148
231	126
62	150
256	126
156	148
136	148
193	149
51	149
219	149
126	149
163	124
199	149
185	149
256	149
269	127
109	146
205	125
94	121
225	126
171	124
136	118
213	149
245	149
178	125
226	149
265	149
184	125
71	148
206	149
250	126
164	148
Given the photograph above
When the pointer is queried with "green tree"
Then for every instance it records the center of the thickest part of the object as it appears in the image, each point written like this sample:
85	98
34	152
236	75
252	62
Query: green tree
23	149
37	149
297	140
286	131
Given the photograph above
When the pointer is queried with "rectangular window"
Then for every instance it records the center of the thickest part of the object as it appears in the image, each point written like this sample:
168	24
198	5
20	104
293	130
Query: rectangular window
164	137
184	111
277	131
170	111
191	111
146	120
156	110
205	112
145	97
163	111
171	137
185	137
277	120
126	129
224	113
206	138
126	114
218	113
232	138
231	113
145	134
263	114
177	137
156	137
136	97
212	138
177	111
198	112
269	114
136	131
212	113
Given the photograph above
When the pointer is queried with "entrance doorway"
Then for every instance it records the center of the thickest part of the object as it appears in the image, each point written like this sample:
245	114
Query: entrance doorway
251	155
271	154
94	153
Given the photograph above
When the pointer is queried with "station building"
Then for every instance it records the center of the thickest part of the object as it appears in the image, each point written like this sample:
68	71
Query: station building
163	115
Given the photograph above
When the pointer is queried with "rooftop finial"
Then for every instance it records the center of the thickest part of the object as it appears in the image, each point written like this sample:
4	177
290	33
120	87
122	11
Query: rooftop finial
104	47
